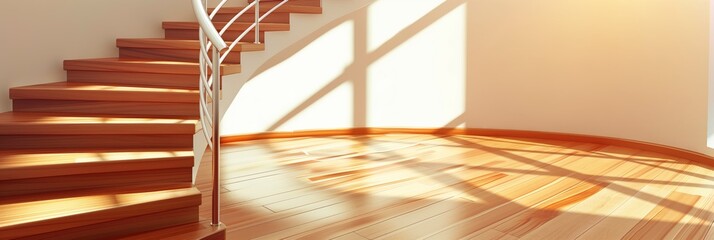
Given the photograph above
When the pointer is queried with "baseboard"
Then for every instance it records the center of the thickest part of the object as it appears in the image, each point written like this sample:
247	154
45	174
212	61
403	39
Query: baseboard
647	146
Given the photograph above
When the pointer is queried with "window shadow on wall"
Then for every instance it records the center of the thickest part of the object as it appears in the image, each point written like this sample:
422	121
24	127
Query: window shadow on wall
356	73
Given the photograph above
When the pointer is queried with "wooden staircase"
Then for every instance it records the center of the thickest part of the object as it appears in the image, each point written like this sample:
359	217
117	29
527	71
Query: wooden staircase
109	152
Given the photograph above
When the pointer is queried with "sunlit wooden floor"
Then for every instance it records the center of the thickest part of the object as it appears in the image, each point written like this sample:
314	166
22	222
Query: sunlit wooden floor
406	186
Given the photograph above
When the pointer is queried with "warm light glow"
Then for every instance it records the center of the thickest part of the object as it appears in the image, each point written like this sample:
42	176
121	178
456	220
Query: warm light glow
50	158
274	99
30	211
426	93
125	88
102	120
383	25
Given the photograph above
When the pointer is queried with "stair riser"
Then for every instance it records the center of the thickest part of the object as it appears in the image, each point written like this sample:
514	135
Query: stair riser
116	221
219	235
294	6
201	230
105	167
126	227
123	108
130	67
131	78
190	34
170	55
143	66
315	3
19	187
235	27
99	95
249	17
95	141
95	129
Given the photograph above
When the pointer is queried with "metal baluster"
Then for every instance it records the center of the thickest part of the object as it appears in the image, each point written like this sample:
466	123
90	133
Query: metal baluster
257	22
216	87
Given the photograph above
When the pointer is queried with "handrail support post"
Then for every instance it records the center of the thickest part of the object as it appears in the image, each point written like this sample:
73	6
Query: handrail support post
216	154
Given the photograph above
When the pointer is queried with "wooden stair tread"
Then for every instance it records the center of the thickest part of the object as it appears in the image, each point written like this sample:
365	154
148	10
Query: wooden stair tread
265	6
22	164
237	26
161	43
35	217
198	230
104	92
18	123
143	65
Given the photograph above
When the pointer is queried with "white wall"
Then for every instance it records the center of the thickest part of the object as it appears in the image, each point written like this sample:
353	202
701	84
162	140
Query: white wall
629	69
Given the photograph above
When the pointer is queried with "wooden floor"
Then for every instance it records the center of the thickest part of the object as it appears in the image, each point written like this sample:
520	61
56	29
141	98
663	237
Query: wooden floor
407	186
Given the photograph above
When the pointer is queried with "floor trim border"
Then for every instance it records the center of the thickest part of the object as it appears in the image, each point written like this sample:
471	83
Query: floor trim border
647	146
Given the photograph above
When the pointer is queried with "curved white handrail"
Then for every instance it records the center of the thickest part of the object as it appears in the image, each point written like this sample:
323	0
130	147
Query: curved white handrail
207	25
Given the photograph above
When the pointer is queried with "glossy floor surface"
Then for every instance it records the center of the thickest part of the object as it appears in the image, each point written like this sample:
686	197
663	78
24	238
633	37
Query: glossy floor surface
408	186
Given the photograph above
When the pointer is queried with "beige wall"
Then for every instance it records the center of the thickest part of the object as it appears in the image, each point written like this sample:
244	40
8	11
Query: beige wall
631	69
710	117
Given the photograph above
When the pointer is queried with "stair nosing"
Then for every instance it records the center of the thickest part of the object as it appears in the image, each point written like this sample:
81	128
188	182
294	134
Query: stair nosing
142	66
178	44
283	9
64	91
264	27
74	163
35	123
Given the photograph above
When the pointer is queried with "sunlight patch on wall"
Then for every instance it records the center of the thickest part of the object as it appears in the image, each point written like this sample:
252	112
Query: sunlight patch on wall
420	82
384	22
291	91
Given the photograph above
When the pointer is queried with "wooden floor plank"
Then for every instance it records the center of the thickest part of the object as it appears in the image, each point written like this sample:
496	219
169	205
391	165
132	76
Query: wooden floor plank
625	217
580	217
661	219
350	236
493	234
696	223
